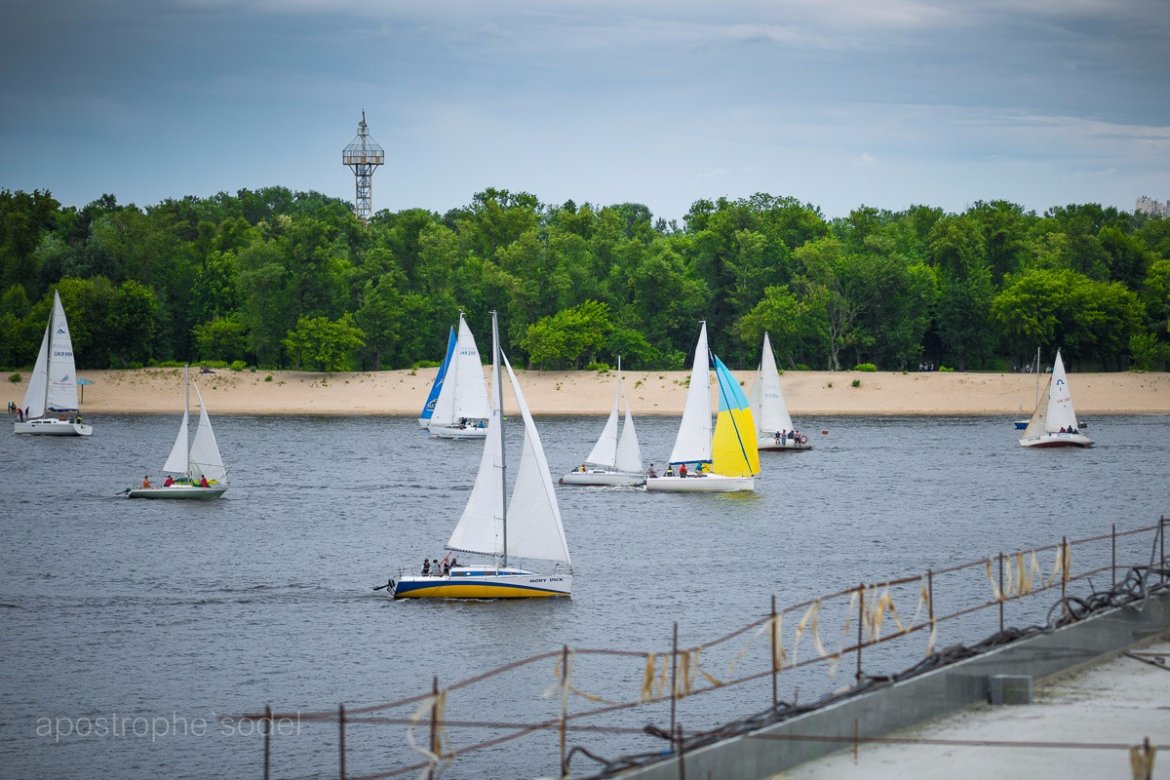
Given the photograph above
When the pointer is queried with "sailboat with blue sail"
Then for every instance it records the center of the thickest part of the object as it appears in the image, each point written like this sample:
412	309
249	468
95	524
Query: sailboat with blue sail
705	461
461	407
424	419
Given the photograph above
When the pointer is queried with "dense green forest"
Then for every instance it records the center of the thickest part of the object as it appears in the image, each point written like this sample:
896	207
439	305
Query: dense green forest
281	279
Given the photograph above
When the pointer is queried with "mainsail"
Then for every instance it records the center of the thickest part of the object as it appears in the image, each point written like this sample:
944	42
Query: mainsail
693	442
53	384
463	395
767	398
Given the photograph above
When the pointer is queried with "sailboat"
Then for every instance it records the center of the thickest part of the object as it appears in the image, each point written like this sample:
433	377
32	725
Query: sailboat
719	462
196	460
1054	423
529	526
50	405
771	413
613	460
1022	424
424	419
461	408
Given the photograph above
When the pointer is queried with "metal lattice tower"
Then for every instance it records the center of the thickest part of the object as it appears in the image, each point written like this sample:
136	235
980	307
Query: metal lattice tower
363	156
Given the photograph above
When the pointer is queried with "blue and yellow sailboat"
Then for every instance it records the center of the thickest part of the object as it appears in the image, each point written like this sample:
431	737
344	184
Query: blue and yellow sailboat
703	460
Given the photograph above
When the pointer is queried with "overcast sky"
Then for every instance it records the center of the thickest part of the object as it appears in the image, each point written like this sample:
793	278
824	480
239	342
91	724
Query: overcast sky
838	103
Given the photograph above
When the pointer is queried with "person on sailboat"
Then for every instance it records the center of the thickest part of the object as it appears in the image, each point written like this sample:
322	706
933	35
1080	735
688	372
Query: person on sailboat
203	481
682	470
651	472
169	481
426	567
146	482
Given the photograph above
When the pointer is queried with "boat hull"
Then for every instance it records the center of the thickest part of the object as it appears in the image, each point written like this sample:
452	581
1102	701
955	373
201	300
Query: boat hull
484	584
51	426
180	492
710	483
1050	440
603	477
786	445
457	432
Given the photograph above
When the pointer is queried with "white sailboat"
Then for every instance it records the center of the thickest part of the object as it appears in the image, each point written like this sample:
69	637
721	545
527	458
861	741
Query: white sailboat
424	419
613	460
1054	423
461	410
202	474
529	526
703	461
50	405
776	431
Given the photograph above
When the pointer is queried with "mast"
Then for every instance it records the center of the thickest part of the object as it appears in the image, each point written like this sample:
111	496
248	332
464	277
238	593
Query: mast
49	333
187	409
500	410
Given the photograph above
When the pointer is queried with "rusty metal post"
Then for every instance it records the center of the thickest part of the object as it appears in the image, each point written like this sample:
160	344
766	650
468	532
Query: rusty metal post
856	735
1162	529
772	634
673	681
341	739
1002	595
930	594
682	764
1064	568
564	706
860	623
267	738
1113	554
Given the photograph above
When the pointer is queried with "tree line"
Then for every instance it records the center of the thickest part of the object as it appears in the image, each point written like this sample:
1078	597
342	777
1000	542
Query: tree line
281	279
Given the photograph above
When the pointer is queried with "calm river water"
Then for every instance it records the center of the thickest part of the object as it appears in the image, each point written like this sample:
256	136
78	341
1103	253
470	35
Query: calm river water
127	613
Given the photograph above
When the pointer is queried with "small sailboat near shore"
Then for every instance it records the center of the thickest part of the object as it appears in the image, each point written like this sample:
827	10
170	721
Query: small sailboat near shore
528	526
776	431
614	460
196	460
50	407
461	408
1054	423
703	461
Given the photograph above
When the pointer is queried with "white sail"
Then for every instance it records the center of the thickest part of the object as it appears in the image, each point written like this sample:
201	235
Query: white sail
693	443
177	461
767	397
464	393
205	458
534	518
53	384
1060	408
1037	423
38	383
629	454
604	452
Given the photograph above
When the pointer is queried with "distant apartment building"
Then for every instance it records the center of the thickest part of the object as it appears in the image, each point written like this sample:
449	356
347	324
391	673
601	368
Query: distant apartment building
1156	208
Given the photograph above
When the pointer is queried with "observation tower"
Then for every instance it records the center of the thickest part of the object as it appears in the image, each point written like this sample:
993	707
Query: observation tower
362	155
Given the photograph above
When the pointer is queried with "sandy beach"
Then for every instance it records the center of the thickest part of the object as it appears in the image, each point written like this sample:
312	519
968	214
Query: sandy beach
809	393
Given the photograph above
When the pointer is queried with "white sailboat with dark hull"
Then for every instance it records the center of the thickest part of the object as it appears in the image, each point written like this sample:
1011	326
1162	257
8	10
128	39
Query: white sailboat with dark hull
614	459
196	460
493	528
776	431
1054	423
50	405
461	409
706	461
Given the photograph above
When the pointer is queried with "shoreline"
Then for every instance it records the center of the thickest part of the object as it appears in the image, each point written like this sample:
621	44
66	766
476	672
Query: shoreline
650	393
